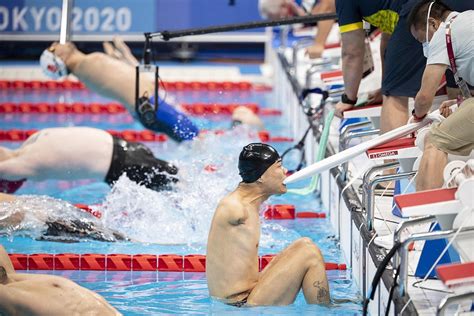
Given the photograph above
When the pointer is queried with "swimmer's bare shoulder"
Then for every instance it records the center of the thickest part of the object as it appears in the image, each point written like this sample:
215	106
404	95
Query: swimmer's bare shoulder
231	211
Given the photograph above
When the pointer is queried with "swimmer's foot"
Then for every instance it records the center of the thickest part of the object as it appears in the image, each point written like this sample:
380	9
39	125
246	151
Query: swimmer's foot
125	51
120	51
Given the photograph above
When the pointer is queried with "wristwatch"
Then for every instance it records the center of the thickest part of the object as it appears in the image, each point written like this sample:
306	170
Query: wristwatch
416	117
345	99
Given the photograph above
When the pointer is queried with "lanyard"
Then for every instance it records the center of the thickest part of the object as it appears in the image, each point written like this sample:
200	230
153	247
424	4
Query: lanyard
466	93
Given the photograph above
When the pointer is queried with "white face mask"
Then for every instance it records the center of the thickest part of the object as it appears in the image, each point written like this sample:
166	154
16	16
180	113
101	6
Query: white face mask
426	44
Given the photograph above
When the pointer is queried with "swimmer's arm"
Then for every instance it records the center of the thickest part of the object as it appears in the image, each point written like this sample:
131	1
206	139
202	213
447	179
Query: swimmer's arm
429	85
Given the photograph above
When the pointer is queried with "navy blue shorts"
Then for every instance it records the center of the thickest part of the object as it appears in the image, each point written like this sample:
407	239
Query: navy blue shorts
404	60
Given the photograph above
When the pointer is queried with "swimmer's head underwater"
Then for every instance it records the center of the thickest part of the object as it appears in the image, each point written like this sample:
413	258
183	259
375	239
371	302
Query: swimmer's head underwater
261	164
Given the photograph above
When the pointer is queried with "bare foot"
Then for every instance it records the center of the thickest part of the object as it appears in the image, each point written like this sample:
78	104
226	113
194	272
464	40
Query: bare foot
125	51
120	51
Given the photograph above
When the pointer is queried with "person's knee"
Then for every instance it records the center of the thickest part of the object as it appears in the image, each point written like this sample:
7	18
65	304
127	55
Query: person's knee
308	247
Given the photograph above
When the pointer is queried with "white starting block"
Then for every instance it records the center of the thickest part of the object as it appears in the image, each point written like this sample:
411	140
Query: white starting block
363	111
402	148
452	206
457	275
332	77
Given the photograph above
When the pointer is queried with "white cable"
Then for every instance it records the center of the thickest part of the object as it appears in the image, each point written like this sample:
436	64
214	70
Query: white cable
393	206
444	250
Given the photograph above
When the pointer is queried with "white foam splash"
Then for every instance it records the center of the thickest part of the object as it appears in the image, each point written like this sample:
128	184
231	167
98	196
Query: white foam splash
184	214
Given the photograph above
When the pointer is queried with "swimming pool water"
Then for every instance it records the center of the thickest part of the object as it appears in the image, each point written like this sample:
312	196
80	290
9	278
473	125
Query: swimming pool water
138	293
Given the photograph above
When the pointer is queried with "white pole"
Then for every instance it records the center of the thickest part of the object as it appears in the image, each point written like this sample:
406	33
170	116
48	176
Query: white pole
65	31
352	152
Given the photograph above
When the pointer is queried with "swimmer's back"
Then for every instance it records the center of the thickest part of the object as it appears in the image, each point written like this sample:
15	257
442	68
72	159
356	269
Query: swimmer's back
232	249
50	295
52	151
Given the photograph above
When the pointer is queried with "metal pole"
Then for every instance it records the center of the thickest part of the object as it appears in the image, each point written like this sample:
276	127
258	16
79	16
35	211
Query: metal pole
65	31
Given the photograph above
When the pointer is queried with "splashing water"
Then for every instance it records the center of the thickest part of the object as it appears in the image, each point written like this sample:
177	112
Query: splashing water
183	215
48	218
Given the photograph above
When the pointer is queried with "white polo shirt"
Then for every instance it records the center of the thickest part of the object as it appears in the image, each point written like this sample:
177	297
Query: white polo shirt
462	35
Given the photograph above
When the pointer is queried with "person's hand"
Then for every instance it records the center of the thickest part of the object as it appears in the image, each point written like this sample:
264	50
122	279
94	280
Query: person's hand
445	109
314	51
375	97
65	52
341	107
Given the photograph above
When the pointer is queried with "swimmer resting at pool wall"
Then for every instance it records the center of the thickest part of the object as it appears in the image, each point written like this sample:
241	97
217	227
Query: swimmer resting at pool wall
232	268
114	75
41	294
46	218
72	153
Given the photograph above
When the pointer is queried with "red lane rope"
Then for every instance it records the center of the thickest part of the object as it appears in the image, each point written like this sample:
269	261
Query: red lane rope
271	212
19	135
169	85
117	108
125	262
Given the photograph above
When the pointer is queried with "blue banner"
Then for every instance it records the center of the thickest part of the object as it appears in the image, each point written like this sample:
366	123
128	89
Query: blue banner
124	17
88	16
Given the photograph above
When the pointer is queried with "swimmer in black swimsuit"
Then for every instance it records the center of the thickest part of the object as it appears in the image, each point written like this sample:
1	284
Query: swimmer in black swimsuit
140	165
73	153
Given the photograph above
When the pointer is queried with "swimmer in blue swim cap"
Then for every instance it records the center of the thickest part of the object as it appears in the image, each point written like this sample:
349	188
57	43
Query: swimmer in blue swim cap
232	268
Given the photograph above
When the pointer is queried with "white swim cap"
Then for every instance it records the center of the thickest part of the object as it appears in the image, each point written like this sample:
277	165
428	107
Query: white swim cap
52	65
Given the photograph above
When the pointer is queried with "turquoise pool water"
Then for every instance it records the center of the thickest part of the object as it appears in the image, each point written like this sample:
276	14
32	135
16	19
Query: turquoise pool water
180	219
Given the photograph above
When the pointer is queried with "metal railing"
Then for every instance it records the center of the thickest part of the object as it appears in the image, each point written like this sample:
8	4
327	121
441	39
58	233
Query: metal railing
397	236
370	198
453	299
403	251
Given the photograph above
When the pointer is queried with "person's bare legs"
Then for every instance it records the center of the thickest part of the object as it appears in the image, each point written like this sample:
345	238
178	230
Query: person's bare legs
430	172
300	265
6	153
104	74
394	114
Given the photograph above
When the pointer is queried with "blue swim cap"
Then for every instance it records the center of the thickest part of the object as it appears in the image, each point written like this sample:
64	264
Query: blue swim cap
255	159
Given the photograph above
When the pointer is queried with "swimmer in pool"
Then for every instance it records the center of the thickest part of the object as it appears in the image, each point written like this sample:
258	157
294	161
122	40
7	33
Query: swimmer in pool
232	268
113	75
46	218
71	153
41	294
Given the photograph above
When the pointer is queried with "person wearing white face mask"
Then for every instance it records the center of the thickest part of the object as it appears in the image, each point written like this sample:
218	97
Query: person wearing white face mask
448	42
